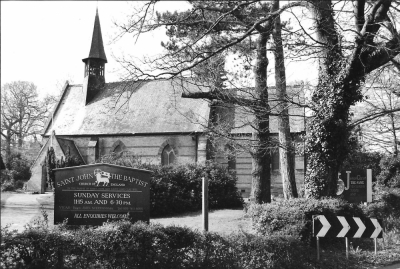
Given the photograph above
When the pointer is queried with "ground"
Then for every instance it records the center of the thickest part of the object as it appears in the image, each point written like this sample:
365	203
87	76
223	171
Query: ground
20	208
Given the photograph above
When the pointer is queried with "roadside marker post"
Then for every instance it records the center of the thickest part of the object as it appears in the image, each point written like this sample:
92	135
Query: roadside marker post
340	226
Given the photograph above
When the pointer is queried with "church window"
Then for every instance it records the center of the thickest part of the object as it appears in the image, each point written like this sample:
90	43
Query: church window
118	147
168	155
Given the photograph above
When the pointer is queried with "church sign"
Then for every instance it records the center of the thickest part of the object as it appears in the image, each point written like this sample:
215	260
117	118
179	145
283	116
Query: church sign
93	194
356	185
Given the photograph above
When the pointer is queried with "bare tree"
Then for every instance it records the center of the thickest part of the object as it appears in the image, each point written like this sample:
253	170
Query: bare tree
22	114
349	40
207	30
378	116
286	149
344	61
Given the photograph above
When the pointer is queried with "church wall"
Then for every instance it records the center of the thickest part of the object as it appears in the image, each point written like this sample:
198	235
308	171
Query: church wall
34	183
244	168
148	147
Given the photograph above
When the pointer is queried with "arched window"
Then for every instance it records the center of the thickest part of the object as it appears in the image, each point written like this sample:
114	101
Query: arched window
118	147
167	155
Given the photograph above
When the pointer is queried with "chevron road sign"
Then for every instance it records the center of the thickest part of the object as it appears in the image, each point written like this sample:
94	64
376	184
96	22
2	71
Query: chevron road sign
353	227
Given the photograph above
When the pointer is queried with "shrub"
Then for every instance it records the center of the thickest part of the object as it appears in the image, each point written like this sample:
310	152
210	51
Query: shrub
125	245
177	189
362	160
20	166
6	176
386	203
294	217
390	172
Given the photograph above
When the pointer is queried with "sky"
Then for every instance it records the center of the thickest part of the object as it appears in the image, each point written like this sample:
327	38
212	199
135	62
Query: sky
44	42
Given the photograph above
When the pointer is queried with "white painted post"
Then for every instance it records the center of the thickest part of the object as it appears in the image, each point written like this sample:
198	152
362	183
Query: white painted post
205	204
347	247
369	185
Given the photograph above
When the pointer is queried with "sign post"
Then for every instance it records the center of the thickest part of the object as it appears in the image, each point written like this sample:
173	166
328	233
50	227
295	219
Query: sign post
93	194
205	203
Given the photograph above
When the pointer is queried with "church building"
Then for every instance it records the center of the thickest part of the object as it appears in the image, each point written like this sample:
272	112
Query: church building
146	119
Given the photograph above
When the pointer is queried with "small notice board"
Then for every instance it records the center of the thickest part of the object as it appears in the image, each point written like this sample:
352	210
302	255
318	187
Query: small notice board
93	194
357	185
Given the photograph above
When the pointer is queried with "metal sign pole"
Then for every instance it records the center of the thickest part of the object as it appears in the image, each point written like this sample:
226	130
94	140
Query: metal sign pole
317	248
347	247
375	241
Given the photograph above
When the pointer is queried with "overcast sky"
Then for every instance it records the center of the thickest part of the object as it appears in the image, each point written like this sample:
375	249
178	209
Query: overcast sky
44	42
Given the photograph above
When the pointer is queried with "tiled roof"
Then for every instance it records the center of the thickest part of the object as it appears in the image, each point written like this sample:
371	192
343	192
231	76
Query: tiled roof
97	47
148	107
129	108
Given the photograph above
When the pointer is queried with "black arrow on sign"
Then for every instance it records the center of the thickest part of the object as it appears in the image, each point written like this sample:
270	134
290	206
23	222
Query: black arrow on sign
353	227
369	228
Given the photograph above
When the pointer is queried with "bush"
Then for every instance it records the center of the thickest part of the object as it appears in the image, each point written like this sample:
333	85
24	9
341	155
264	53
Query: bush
294	217
6	176
20	166
177	189
386	203
390	172
125	245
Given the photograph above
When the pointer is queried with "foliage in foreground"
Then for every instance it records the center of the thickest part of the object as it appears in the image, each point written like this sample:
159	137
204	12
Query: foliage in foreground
294	217
177	189
125	245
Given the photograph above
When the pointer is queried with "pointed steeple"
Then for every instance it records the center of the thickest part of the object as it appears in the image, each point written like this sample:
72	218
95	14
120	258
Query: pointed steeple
97	47
94	78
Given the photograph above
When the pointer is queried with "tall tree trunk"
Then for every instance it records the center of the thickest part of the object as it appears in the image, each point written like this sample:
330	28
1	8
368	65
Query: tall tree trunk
8	151
286	149
261	160
327	133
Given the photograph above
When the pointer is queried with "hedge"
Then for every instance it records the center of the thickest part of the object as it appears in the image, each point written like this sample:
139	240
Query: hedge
125	245
294	217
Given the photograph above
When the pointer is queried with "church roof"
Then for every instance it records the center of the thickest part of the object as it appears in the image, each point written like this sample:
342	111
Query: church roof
97	47
146	107
69	148
129	108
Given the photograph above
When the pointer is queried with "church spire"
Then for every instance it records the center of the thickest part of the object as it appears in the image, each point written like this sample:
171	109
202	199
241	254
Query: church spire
97	47
94	78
